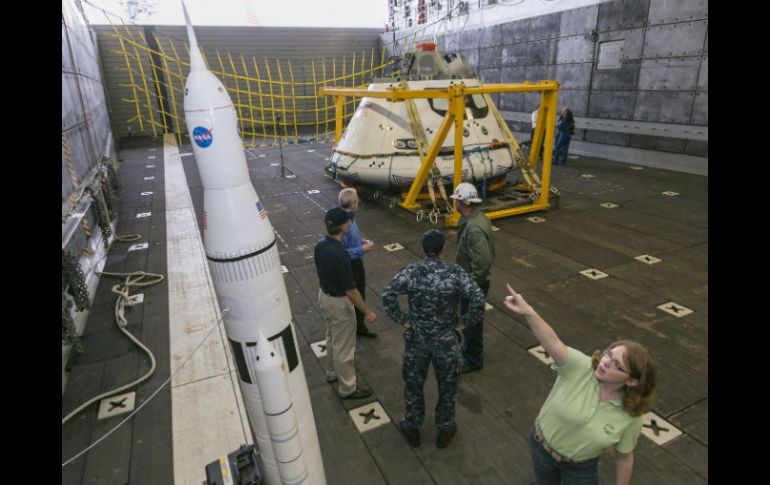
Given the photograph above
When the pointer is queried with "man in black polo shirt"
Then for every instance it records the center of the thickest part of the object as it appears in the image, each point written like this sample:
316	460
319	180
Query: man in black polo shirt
337	297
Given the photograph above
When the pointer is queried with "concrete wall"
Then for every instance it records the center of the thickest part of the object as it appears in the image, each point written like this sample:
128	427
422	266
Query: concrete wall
644	61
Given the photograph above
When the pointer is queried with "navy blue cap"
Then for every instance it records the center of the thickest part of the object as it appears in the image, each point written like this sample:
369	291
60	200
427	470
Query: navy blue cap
433	242
336	217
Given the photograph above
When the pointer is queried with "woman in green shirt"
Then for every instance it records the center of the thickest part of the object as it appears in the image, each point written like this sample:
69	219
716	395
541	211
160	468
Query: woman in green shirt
596	403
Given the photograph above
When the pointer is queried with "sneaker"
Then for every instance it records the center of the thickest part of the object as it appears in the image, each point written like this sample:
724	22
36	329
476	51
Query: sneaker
444	437
412	435
358	394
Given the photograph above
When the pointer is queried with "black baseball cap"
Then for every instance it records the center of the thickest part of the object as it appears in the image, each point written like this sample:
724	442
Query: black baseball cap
432	242
336	217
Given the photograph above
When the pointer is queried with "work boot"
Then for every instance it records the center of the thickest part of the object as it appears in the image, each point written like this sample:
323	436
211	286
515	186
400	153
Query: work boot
412	435
444	437
358	394
471	368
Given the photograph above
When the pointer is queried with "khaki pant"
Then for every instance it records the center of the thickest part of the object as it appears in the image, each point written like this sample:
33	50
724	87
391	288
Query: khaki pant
340	321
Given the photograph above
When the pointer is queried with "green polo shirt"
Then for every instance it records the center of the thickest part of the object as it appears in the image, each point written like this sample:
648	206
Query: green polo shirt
573	420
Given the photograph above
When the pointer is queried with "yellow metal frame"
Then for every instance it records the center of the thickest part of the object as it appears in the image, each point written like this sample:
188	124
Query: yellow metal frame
455	93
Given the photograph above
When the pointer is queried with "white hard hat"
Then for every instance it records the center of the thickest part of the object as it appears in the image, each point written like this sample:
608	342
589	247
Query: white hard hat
467	192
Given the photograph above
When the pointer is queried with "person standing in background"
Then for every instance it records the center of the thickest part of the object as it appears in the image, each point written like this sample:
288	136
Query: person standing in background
356	247
565	128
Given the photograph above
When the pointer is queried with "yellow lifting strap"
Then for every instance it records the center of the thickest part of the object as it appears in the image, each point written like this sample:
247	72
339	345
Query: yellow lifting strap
530	177
422	149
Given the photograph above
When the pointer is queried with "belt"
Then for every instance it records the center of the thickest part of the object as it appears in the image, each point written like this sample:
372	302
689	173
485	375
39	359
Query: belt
538	434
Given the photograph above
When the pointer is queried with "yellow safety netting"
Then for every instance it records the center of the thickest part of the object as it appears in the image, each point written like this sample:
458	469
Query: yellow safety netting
263	90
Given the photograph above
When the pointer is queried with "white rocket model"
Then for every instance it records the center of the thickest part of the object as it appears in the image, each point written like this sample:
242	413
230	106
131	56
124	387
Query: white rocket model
241	249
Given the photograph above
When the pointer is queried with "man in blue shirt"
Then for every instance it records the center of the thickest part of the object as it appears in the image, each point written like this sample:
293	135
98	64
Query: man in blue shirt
356	247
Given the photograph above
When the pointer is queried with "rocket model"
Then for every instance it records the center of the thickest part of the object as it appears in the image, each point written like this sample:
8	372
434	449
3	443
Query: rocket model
243	258
281	420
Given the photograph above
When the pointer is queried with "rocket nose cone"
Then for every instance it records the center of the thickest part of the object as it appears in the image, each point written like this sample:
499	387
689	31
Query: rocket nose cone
186	15
267	356
196	59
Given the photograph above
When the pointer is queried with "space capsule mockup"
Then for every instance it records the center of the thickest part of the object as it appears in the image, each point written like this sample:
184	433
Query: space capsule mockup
379	146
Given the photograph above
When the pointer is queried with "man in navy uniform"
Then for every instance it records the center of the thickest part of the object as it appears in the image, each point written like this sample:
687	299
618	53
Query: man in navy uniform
434	290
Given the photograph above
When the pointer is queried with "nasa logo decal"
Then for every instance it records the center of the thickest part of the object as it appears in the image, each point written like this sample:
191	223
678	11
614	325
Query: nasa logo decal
202	136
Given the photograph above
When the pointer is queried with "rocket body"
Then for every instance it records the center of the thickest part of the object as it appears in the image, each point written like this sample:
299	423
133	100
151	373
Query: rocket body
279	412
240	246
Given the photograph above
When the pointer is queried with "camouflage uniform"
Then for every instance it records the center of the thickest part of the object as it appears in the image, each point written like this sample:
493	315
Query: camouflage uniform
434	289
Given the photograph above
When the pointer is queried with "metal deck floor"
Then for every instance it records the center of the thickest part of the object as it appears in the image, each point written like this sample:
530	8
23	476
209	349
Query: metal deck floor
496	406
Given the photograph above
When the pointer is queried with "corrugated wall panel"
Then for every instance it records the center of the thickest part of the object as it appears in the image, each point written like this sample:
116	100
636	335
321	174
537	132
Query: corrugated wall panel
659	72
85	124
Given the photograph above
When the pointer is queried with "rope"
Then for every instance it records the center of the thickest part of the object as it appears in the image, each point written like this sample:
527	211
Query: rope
126	238
131	415
132	279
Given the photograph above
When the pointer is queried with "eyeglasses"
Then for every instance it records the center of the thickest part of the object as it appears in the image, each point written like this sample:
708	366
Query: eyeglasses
615	363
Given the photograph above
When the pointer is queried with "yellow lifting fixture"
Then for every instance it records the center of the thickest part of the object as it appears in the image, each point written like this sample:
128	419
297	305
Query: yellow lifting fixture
455	93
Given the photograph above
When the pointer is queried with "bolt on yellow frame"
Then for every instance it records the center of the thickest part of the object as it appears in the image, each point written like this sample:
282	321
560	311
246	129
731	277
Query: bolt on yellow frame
455	93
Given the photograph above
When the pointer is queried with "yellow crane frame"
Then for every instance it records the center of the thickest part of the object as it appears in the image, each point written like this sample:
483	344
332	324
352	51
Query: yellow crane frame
455	93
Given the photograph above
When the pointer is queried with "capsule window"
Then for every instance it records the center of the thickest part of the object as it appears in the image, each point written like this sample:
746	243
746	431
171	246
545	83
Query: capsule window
476	103
478	106
439	105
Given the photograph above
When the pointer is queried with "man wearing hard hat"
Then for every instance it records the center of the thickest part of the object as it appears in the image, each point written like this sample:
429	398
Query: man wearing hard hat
475	253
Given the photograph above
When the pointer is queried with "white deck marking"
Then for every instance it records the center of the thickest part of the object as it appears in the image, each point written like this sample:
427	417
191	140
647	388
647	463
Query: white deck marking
319	348
540	353
594	274
116	405
658	429
369	416
647	259
675	309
